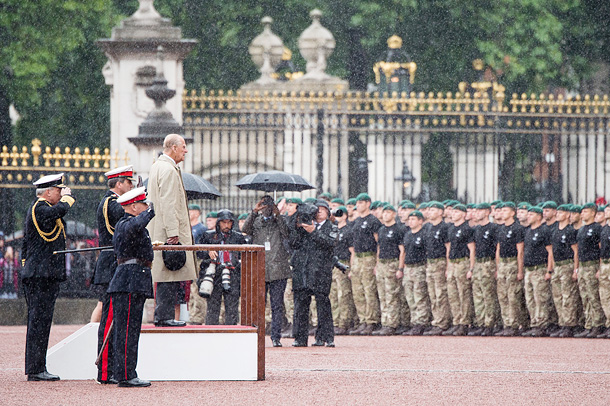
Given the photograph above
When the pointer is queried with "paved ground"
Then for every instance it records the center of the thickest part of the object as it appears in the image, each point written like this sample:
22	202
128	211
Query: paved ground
360	371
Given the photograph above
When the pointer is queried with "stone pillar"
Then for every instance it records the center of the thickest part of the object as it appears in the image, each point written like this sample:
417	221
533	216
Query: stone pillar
131	69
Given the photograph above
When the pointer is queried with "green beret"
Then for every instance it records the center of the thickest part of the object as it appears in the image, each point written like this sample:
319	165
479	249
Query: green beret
509	205
524	206
212	215
389	207
499	205
294	200
495	202
589	205
602	208
194	206
242	216
325	196
351	202
483	206
453	203
436	205
470	206
405	201
338	200
460	207
363	196
563	207
446	202
549	205
376	204
310	200
416	213
539	204
535	209
424	205
575	208
408	205
342	208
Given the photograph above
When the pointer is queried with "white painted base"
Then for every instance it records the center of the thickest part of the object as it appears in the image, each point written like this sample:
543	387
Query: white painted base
200	356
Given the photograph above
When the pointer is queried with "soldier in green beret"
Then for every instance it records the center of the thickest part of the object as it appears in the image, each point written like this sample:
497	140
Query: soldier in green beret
336	203
377	209
364	258
589	238
496	212
604	271
522	209
600	218
575	219
350	205
538	266
563	282
325	196
549	213
470	217
210	220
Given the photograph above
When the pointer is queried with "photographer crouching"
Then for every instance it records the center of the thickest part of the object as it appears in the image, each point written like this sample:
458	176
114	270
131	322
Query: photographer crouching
220	272
313	239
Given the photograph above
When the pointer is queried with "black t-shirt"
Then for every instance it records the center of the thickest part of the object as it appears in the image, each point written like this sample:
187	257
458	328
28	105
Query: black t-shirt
605	242
363	234
534	246
562	240
588	242
485	240
415	246
344	240
459	237
508	237
436	237
389	240
552	227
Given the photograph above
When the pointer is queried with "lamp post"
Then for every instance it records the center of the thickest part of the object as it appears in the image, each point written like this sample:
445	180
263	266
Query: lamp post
408	181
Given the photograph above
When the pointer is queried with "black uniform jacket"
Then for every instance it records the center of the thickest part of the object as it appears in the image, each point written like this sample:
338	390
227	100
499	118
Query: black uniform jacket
132	241
312	263
37	251
109	212
216	237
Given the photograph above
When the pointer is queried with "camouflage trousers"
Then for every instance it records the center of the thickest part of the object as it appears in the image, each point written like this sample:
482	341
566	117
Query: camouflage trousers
198	306
484	293
459	290
342	300
588	285
565	294
416	294
510	294
537	295
364	289
604	289
389	290
437	290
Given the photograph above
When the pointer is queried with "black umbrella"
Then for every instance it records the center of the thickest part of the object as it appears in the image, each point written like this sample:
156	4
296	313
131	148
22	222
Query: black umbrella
197	187
274	181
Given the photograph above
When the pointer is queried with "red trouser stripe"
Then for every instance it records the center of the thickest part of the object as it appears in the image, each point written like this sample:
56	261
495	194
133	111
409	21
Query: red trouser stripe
127	334
105	352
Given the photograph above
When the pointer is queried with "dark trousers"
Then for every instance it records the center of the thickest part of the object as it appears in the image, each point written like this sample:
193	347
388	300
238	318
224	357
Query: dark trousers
167	297
302	300
40	296
231	300
276	290
104	368
127	310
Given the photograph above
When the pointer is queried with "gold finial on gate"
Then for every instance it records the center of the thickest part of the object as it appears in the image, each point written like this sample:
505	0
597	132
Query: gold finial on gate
36	151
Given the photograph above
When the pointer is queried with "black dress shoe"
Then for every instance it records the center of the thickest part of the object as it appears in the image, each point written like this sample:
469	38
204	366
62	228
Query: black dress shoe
583	334
487	332
134	383
110	381
318	343
330	344
43	376
477	331
170	323
299	344
276	343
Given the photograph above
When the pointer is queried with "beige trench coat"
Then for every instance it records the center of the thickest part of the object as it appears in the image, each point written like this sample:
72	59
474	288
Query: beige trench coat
166	191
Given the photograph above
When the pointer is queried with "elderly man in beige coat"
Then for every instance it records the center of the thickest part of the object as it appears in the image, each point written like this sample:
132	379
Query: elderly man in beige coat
170	225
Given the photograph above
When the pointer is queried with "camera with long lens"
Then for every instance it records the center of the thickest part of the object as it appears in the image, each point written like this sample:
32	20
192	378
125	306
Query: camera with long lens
338	212
225	269
207	284
340	265
306	213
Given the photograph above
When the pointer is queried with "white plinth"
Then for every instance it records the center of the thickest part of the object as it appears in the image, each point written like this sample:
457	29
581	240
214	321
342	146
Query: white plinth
194	353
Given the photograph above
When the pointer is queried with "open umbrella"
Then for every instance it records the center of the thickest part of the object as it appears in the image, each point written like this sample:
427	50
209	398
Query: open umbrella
197	187
274	181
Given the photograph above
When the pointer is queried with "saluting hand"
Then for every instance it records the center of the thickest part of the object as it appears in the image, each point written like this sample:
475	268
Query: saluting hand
66	191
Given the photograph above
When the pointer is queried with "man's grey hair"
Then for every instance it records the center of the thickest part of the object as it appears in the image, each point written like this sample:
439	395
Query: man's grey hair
171	140
40	191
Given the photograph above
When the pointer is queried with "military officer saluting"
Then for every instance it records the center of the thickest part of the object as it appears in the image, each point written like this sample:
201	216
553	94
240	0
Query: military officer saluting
131	284
109	212
43	271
